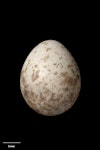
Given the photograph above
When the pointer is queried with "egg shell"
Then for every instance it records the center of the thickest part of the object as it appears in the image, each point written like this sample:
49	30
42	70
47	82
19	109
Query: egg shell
50	78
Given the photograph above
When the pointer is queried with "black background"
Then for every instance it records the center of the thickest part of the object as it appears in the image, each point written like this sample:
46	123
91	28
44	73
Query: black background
21	32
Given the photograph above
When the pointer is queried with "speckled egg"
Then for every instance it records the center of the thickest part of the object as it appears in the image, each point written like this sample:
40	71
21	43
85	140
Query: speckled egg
50	79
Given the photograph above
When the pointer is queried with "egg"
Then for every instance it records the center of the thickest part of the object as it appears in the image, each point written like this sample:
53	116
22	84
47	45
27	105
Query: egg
50	79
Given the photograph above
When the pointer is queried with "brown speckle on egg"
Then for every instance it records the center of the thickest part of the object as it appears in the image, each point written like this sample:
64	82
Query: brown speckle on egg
60	58
35	75
60	64
55	72
45	58
65	88
35	66
56	53
23	81
54	64
42	97
62	46
77	76
27	94
47	68
48	49
46	43
68	79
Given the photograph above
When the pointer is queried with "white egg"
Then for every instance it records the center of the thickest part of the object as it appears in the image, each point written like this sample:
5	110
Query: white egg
50	79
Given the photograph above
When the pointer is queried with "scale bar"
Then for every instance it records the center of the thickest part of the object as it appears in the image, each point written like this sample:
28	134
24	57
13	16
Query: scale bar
11	142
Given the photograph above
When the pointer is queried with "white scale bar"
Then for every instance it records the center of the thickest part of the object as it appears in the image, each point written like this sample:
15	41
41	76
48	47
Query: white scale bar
11	142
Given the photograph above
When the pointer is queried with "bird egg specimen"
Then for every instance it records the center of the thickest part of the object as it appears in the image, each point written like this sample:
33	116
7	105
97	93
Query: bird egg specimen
50	79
